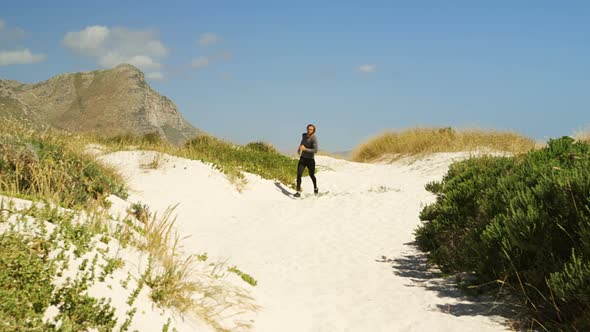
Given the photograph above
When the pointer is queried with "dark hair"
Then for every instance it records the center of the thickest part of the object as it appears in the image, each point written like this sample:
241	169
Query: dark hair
312	125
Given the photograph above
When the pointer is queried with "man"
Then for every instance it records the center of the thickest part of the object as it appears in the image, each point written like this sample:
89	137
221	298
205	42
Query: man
307	149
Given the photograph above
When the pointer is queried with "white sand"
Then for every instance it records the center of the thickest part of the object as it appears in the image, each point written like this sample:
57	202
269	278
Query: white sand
342	261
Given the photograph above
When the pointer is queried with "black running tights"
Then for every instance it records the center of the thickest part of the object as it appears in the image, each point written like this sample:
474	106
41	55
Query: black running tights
310	164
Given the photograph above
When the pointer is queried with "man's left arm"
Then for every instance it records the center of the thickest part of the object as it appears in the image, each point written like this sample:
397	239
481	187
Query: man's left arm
314	145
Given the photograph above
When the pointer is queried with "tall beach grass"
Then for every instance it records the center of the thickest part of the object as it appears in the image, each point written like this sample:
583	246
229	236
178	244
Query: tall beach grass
418	141
52	166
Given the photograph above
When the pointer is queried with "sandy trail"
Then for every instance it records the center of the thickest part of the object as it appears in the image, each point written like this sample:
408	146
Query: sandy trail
341	261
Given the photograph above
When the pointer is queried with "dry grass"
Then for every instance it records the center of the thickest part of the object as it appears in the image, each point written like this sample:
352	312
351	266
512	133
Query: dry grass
418	141
582	136
188	284
155	162
52	166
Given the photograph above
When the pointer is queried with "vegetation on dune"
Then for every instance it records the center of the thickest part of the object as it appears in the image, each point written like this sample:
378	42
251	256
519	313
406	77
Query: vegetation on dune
31	256
120	141
419	141
173	278
52	167
258	158
520	222
40	244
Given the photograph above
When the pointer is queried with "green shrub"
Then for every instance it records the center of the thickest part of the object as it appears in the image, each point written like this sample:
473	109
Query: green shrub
45	167
256	158
209	146
79	311
25	284
261	147
26	290
523	220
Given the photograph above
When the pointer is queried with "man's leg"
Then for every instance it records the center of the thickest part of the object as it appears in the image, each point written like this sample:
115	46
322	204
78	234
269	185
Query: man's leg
300	168
311	168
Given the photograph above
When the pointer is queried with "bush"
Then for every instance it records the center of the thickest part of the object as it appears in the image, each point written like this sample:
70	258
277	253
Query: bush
524	220
25	284
27	290
45	167
210	147
256	158
261	147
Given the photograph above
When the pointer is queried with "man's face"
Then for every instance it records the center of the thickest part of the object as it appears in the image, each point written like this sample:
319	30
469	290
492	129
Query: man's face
309	130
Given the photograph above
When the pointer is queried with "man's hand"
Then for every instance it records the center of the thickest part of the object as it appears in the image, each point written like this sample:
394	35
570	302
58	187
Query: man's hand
302	148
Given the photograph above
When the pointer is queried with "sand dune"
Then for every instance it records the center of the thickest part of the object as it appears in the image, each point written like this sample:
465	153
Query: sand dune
340	261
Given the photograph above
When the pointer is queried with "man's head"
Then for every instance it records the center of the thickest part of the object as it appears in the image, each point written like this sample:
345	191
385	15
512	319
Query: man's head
310	129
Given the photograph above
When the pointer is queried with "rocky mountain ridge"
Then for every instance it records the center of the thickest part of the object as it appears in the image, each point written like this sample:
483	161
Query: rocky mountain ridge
108	102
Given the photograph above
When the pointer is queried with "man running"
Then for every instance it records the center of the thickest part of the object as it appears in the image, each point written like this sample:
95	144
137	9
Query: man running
307	149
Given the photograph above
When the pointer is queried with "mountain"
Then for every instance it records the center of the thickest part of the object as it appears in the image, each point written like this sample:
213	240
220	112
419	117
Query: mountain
108	102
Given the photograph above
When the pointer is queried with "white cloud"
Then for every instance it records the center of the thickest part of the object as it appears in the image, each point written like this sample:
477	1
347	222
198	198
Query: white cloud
90	41
208	38
200	62
16	57
113	46
110	59
144	62
366	68
19	57
155	75
137	42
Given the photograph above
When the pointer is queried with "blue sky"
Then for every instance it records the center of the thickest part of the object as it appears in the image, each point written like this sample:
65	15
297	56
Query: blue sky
263	70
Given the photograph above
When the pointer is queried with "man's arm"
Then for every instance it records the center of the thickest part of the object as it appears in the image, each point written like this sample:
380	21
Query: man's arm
314	145
301	147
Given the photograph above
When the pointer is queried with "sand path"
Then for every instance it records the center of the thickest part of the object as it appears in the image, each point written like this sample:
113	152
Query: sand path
342	261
